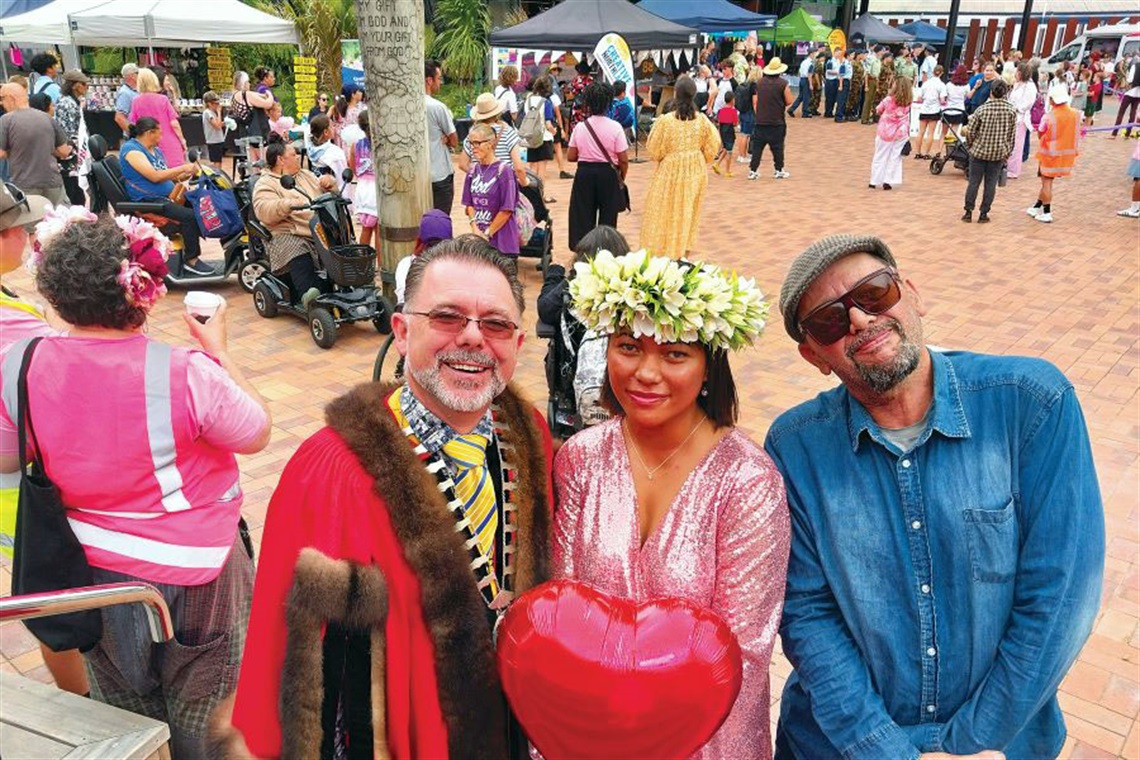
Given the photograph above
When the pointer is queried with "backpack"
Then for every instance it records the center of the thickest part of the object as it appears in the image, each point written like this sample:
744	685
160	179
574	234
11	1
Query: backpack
240	111
532	128
743	98
505	116
580	373
1037	112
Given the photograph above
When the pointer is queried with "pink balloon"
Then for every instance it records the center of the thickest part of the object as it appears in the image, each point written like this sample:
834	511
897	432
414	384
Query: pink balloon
593	676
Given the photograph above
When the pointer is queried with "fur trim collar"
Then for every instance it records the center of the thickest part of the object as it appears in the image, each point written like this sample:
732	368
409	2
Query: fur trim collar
469	692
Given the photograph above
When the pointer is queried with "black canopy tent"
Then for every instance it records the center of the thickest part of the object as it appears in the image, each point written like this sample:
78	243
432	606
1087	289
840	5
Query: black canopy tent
874	29
579	24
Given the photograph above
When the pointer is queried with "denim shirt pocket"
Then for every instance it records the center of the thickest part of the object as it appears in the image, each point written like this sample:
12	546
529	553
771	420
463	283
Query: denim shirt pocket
993	538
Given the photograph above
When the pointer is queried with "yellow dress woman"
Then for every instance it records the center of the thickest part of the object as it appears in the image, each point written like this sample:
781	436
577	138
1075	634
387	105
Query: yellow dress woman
682	143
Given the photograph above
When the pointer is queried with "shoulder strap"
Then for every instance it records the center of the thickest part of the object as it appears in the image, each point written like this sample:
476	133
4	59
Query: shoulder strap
602	148
23	419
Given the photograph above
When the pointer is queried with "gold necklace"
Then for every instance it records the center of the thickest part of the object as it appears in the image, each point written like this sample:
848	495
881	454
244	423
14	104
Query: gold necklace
637	452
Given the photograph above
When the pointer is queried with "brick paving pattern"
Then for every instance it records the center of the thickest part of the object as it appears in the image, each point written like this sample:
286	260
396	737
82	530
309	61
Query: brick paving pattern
1068	292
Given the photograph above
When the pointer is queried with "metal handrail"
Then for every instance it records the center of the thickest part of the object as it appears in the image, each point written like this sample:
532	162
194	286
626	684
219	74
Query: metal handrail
49	603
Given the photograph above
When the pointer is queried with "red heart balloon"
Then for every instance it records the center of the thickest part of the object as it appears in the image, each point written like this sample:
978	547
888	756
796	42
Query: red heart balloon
590	675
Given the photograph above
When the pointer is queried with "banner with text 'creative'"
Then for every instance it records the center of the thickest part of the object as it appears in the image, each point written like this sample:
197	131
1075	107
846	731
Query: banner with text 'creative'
612	55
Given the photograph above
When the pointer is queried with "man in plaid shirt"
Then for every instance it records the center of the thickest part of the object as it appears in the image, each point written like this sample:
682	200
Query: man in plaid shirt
989	139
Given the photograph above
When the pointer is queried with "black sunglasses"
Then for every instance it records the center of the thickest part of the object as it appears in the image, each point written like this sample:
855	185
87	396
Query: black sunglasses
18	197
874	294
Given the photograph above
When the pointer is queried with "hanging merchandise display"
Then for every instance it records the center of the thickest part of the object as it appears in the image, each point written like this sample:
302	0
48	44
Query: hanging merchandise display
305	84
219	68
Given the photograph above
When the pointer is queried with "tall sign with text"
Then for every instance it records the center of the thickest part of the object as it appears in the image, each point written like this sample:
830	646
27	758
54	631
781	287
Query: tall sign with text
392	49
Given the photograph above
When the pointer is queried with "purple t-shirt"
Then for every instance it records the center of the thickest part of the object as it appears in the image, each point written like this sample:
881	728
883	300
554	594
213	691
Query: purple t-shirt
489	190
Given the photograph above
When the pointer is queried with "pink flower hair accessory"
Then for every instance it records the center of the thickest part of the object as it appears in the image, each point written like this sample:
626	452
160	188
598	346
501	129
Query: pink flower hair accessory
142	271
141	288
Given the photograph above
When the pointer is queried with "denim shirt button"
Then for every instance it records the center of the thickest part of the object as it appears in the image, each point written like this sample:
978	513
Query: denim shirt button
931	651
930	708
906	463
916	525
925	588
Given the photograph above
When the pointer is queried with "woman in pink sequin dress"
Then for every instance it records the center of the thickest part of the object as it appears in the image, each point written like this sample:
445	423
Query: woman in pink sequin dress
670	499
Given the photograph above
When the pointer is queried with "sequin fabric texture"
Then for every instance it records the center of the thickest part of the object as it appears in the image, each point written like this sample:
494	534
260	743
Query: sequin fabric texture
723	544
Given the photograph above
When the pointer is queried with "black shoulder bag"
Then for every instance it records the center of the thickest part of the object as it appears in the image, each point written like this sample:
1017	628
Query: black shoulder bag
48	556
617	171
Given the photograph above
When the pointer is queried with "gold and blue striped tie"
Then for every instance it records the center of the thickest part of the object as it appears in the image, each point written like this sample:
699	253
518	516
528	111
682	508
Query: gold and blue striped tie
475	489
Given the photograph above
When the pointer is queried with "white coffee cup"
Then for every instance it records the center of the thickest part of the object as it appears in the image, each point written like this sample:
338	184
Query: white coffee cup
202	304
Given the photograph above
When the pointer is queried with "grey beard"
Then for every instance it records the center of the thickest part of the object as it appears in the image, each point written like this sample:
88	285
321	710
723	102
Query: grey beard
431	380
881	378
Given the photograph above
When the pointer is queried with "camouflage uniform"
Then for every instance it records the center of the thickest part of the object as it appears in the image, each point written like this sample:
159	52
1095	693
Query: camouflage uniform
858	80
817	84
886	82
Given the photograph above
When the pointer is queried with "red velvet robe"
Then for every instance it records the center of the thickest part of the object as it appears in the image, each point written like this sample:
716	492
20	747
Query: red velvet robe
329	500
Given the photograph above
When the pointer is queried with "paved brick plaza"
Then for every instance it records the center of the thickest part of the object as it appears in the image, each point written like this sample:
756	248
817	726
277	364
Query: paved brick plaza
1069	292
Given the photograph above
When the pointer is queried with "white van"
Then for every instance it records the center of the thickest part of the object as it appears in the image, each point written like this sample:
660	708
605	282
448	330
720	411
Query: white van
1113	42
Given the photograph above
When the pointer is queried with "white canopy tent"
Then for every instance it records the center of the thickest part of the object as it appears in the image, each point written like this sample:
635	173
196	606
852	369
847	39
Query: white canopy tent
154	23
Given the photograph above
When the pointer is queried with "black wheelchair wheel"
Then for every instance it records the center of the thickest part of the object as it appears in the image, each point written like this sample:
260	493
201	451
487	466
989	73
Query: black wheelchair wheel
389	365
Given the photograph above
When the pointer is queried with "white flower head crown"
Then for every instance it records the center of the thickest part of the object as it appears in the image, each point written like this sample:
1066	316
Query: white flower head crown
670	301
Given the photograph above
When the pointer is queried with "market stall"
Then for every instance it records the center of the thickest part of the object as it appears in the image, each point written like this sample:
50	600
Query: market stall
929	34
874	29
708	15
576	26
171	33
797	26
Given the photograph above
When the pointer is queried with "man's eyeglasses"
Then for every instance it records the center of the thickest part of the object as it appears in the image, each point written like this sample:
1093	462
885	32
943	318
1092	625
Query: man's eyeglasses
874	294
453	323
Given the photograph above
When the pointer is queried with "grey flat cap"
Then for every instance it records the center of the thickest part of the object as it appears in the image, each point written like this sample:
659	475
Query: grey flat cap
810	264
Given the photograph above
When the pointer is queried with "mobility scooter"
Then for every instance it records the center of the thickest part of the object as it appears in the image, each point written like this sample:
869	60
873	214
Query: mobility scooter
349	268
235	248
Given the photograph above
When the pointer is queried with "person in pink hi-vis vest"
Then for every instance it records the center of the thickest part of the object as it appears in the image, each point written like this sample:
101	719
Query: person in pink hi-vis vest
139	437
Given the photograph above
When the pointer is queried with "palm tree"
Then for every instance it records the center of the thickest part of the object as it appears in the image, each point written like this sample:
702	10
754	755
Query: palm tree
321	25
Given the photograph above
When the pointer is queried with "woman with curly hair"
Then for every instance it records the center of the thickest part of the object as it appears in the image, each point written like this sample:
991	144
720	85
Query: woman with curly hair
139	437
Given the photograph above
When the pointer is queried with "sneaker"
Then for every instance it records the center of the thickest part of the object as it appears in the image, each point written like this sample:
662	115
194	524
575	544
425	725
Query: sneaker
741	160
886	186
716	168
1033	210
308	297
753	175
728	173
565	175
983	219
199	268
1133	213
791	113
969	217
1047	218
781	174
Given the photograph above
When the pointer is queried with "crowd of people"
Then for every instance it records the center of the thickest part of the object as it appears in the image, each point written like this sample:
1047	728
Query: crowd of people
400	533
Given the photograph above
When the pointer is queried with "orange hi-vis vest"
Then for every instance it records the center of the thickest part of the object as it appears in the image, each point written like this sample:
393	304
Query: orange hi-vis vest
1059	133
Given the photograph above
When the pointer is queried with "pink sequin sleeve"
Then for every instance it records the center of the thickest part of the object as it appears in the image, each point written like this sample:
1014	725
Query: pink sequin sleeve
568	506
753	536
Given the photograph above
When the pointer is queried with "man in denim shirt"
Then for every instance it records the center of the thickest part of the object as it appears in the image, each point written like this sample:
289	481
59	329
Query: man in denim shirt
947	530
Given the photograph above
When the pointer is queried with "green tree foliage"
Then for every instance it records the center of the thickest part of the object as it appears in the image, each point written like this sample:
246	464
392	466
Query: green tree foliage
321	25
461	39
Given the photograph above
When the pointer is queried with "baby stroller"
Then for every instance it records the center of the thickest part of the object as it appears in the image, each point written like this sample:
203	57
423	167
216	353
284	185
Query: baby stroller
541	241
954	147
